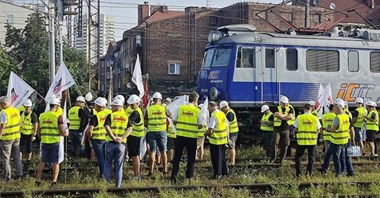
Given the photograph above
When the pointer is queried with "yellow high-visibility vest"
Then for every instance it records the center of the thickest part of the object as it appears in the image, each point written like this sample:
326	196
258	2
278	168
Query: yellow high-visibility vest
373	125
360	119
341	135
12	127
314	113
74	118
234	128
128	110
49	128
219	135
265	127
187	122
327	120
119	121
156	118
171	133
99	132
26	126
277	121
138	128
307	130
59	111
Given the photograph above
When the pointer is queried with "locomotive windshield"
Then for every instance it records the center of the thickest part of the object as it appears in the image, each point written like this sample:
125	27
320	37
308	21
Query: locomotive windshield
217	57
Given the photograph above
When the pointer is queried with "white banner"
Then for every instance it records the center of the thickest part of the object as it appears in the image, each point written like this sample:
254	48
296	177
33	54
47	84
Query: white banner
325	99
18	90
174	106
205	115
62	81
137	77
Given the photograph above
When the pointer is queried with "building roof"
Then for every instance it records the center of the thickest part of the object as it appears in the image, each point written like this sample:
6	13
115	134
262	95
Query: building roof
363	7
7	2
159	15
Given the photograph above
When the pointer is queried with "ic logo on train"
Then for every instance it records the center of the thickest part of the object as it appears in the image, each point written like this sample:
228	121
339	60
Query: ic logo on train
350	91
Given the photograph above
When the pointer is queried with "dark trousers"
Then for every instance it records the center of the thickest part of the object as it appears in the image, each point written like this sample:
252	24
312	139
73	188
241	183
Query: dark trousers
268	144
333	150
281	141
218	160
75	142
300	149
345	161
191	147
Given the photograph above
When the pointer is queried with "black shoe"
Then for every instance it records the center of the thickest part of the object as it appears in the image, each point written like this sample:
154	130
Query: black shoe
37	184
19	177
173	180
149	175
298	175
53	183
322	171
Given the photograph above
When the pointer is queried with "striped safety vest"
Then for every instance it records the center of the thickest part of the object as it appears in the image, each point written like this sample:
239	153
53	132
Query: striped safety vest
327	120
341	135
234	128
138	128
373	125
49	128
74	118
277	121
119	121
156	118
219	134
187	122
307	130
265	127
26	124
171	133
360	119
99	132
12	127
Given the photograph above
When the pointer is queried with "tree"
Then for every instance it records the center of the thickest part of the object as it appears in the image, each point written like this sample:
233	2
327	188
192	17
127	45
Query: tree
75	61
6	68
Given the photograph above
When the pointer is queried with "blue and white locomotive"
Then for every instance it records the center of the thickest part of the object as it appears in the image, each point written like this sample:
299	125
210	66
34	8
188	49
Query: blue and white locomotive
248	68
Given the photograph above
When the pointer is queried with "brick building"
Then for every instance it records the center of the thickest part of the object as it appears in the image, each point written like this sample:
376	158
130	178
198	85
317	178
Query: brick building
171	43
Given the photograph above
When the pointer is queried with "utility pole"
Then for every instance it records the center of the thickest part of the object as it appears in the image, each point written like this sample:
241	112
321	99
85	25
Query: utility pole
52	40
307	14
93	39
60	21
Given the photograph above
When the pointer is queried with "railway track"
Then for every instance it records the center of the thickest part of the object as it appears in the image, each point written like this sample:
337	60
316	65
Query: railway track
257	189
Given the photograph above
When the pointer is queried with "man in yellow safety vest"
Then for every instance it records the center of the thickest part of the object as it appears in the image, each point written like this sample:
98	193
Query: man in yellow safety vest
372	125
233	129
266	127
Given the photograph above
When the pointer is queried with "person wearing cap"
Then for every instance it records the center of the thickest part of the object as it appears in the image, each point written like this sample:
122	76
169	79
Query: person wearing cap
50	131
307	127
136	121
117	133
233	129
342	133
217	134
10	136
283	119
75	116
266	126
97	133
314	111
29	124
40	106
327	121
358	120
188	123
372	125
155	121
201	136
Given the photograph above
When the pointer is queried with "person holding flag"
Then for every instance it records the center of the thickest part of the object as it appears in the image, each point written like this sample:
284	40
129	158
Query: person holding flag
50	131
10	136
29	124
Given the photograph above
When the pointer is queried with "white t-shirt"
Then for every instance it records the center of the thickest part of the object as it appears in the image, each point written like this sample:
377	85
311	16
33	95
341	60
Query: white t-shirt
3	118
296	122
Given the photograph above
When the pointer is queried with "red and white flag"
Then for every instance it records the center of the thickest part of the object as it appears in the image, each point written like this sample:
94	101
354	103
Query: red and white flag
137	77
18	90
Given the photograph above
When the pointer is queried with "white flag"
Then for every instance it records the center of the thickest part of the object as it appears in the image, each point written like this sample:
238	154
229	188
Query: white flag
325	100
18	90
61	153
137	77
174	106
62	81
205	115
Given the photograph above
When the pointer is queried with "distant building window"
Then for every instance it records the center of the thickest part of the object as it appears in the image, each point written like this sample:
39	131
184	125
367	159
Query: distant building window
316	18
174	68
375	62
269	58
10	19
353	61
213	20
292	59
322	60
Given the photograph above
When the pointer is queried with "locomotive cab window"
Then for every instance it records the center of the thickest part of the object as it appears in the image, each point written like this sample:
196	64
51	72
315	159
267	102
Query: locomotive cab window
221	57
291	59
322	60
269	58
245	58
208	58
375	62
353	61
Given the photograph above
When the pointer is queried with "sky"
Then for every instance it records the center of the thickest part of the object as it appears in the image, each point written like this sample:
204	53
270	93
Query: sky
125	11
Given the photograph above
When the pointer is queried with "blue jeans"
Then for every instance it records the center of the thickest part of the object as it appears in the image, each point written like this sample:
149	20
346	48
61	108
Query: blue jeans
345	161
116	153
335	151
98	146
75	141
157	139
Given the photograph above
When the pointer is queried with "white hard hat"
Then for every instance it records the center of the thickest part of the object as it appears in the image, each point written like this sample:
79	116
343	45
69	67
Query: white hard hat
54	101
339	101
28	103
223	104
133	99
88	96
284	99
359	100
312	103
100	102
201	105
168	99
264	108
371	103
81	99
374	104
120	97
104	99
157	95
117	102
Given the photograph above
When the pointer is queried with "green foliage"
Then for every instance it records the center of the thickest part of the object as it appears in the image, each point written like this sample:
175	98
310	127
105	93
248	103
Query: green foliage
6	68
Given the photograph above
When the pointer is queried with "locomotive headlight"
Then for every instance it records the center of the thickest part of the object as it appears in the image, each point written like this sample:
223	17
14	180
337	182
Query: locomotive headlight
214	36
214	93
